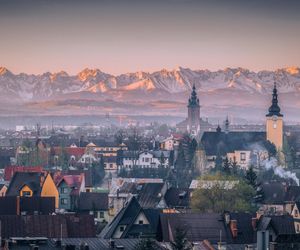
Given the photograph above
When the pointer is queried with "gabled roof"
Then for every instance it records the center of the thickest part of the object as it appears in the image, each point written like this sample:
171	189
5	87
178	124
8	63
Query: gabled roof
150	195
177	197
274	193
127	216
73	181
282	224
33	180
221	143
293	193
10	170
89	201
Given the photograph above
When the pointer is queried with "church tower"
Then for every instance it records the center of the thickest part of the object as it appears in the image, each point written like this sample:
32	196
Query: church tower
274	124
193	121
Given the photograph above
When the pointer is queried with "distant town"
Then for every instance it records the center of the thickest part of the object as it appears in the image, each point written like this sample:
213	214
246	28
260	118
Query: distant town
196	185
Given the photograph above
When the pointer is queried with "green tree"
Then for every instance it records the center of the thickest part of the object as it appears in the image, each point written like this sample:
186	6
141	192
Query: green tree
271	148
225	193
218	162
146	244
251	177
120	136
226	166
234	167
180	241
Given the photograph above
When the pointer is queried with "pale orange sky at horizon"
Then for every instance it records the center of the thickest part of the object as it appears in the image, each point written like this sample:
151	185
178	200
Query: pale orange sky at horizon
128	36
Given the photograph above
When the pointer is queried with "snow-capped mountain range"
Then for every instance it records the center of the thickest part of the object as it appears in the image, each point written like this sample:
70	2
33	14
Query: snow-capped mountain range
165	86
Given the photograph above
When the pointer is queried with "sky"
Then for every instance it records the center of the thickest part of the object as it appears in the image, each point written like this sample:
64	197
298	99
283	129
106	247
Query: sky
119	36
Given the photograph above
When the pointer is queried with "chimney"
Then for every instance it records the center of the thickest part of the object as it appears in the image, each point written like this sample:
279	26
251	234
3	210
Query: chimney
233	228
254	223
227	218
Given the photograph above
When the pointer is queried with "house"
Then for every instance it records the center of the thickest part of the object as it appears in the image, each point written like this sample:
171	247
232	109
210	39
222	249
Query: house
109	148
146	159
281	230
132	221
244	148
33	184
15	205
57	176
110	163
121	190
273	199
95	204
149	192
69	188
296	216
171	142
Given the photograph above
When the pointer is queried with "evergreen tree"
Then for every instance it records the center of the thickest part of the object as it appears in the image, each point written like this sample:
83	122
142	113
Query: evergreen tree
146	244
180	242
234	167
271	148
226	166
251	177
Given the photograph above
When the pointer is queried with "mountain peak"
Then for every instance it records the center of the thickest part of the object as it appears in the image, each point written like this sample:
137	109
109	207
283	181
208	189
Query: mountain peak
3	71
87	73
292	70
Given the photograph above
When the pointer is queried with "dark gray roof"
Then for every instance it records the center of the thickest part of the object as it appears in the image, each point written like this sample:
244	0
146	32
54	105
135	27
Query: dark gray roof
206	226
178	197
293	193
127	216
47	226
221	143
89	201
20	179
282	224
150	194
274	193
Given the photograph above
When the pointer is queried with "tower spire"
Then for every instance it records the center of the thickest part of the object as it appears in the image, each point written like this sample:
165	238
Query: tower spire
193	100
274	108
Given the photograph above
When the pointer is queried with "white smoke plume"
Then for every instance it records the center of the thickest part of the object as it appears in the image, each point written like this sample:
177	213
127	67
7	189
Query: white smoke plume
279	170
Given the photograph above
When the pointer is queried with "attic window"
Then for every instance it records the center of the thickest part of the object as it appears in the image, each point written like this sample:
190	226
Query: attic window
141	222
26	193
122	228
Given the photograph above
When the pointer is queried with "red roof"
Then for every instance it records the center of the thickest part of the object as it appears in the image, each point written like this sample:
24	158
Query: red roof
9	171
77	152
73	181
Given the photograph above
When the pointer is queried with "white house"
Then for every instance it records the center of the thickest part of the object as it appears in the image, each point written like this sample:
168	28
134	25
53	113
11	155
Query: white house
147	159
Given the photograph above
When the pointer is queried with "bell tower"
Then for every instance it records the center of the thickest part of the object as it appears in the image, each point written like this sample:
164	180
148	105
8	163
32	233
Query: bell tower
274	123
193	121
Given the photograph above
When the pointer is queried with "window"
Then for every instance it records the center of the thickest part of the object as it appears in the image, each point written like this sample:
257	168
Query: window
298	228
147	159
296	212
101	215
63	190
26	193
122	228
63	201
243	157
111	165
141	222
